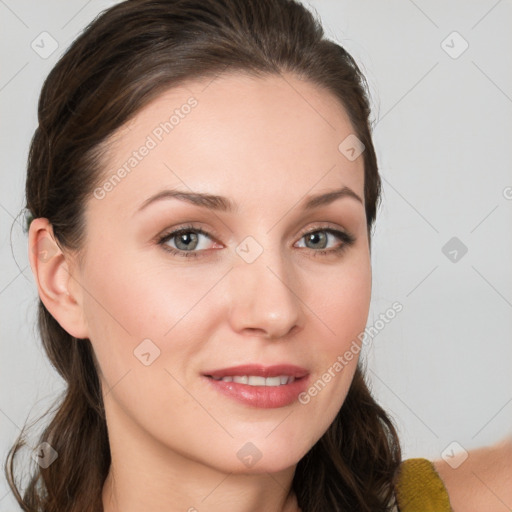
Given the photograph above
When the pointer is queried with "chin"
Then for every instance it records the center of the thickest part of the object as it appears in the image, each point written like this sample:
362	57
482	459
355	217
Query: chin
257	456
271	456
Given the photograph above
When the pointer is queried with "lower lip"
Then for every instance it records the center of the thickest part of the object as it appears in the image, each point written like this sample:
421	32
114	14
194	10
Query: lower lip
264	397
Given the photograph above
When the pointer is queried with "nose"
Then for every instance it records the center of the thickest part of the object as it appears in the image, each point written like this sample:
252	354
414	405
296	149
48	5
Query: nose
265	298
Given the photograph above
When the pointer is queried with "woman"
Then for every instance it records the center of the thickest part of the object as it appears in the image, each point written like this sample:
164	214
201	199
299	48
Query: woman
202	186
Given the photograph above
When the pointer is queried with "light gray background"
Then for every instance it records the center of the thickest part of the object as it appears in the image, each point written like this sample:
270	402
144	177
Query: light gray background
443	126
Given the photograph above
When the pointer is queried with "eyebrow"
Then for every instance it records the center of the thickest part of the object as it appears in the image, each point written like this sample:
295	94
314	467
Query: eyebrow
224	204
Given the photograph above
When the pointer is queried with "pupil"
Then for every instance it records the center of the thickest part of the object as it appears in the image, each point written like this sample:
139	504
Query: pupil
186	239
316	237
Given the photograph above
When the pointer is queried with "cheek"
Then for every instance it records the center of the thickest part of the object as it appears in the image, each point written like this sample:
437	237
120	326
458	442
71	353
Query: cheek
341	300
345	307
129	301
342	308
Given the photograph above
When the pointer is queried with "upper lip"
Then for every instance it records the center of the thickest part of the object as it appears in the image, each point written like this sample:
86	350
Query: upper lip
289	370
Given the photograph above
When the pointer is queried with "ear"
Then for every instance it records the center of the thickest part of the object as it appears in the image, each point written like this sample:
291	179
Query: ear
57	285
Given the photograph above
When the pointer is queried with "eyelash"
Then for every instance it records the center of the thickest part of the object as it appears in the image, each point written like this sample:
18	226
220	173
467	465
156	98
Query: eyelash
345	237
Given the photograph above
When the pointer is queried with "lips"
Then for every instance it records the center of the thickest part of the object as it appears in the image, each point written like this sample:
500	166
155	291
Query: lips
260	386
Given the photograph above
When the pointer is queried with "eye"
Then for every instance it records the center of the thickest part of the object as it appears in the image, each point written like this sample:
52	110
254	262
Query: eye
319	240
186	241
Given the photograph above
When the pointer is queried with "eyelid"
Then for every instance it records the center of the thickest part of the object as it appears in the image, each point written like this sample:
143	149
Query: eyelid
326	226
210	233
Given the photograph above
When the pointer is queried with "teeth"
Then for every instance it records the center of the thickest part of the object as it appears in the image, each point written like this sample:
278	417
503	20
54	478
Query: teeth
256	380
272	381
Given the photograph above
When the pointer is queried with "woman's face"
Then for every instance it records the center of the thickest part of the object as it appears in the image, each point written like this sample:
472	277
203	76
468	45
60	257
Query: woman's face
262	286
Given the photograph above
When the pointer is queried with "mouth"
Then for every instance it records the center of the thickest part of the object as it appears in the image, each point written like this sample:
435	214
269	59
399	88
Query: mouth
260	386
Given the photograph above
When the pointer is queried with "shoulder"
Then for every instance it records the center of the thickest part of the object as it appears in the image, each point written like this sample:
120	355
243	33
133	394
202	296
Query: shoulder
482	483
419	488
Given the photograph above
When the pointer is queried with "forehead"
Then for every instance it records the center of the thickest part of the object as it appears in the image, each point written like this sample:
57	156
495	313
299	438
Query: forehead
236	135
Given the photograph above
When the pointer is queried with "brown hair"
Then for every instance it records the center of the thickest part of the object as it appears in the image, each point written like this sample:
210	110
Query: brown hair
126	57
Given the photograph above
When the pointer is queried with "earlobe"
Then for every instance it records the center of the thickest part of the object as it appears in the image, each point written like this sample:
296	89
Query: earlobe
52	271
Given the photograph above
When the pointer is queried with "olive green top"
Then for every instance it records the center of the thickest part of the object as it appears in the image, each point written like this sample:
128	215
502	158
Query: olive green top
420	488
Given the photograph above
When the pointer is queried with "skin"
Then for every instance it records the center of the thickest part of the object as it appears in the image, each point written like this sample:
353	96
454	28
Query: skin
483	481
265	144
